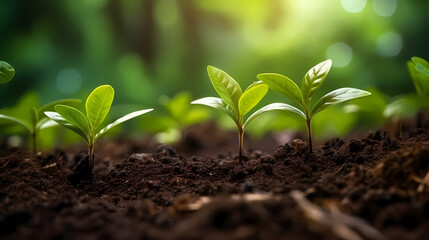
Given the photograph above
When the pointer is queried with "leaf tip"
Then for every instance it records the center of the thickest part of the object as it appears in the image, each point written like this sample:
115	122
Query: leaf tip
328	63
261	75
195	101
210	68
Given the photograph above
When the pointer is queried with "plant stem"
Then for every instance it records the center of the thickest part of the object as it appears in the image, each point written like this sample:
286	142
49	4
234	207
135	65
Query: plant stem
240	144
91	155
34	138
400	131
310	143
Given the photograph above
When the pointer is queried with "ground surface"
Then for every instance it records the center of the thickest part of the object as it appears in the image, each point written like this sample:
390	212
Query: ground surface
359	189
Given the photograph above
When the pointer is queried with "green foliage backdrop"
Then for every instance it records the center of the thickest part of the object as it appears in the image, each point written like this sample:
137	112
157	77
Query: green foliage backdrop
149	48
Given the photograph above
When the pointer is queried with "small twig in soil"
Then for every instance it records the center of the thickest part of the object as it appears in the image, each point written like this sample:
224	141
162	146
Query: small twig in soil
423	183
4	165
50	166
342	225
339	170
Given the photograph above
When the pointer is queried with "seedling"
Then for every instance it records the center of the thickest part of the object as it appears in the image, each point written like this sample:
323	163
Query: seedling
37	121
97	107
235	103
6	72
312	81
410	104
419	72
180	114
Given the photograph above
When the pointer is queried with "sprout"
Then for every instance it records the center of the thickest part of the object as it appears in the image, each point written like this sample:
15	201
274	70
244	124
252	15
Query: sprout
97	107
312	81
235	103
38	121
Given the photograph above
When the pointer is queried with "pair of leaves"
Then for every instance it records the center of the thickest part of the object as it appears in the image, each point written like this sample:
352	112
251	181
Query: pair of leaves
6	72
312	81
180	111
97	107
419	72
235	103
38	121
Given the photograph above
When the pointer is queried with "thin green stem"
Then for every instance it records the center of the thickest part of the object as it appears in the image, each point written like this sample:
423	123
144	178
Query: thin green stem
400	131
308	121
34	136
240	144
91	155
310	143
34	139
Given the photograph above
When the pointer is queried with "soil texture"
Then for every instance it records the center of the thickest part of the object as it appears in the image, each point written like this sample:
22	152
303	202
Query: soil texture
370	188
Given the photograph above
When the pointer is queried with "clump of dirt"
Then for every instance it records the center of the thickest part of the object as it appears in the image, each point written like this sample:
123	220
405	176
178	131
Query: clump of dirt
167	195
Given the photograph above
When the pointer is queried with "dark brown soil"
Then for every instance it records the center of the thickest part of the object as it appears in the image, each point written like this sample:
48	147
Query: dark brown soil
164	194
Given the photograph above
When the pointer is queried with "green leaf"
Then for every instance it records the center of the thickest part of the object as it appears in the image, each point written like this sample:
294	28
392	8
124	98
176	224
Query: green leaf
403	107
282	85
121	120
254	84
63	122
421	65
337	96
179	105
227	88
217	103
272	107
418	79
194	116
22	108
34	115
46	123
50	106
251	97
419	72
6	72
422	69
313	79
75	117
17	121
98	105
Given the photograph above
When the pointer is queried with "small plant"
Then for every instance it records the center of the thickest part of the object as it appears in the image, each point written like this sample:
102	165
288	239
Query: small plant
37	121
419	72
179	115
312	81
6	72
97	107
235	103
408	105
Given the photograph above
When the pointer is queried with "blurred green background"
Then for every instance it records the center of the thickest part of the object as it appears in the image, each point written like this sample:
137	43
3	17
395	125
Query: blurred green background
149	48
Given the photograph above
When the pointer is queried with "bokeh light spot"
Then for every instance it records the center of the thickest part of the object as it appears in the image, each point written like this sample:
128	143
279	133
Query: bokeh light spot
389	44
340	53
69	80
384	8
353	6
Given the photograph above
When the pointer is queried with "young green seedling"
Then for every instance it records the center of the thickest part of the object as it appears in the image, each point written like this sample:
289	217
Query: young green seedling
310	84
6	72
97	107
180	114
419	72
37	121
235	103
408	105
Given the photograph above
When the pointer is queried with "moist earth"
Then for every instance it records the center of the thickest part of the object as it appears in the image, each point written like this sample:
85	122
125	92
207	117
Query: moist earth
369	188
